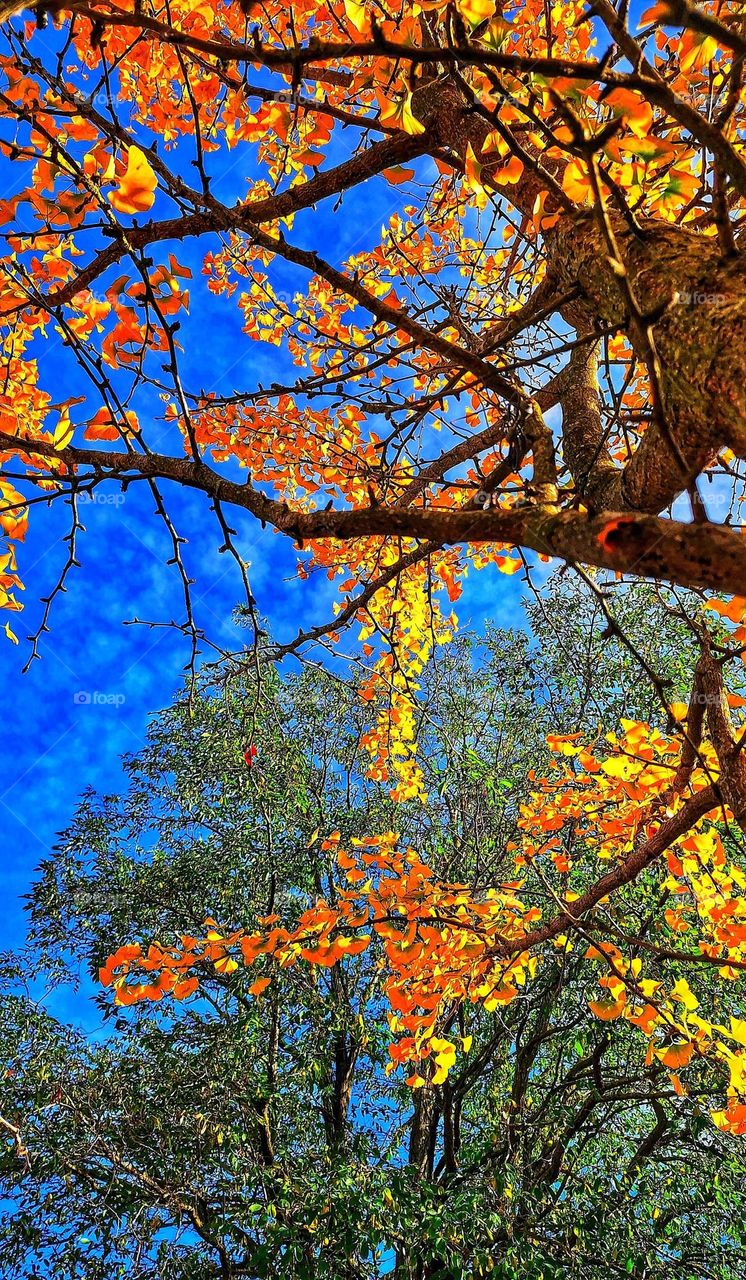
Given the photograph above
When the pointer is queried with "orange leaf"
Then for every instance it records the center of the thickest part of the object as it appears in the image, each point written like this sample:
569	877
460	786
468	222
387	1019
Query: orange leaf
677	1055
607	1010
185	988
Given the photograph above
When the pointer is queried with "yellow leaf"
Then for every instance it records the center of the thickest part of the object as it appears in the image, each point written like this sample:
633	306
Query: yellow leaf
476	11
400	114
473	177
356	15
680	991
622	767
137	185
445	1056
64	430
679	1088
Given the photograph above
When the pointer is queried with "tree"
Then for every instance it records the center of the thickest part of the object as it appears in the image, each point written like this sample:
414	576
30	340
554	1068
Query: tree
541	356
256	1131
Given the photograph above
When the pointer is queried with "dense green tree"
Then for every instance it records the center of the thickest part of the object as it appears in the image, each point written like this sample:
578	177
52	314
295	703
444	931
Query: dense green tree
233	1136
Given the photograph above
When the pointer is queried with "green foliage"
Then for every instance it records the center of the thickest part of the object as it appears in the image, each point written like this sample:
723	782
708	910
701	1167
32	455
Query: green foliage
234	1136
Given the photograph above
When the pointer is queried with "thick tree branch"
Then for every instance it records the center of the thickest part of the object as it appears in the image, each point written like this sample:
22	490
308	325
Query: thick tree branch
702	555
713	695
597	479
